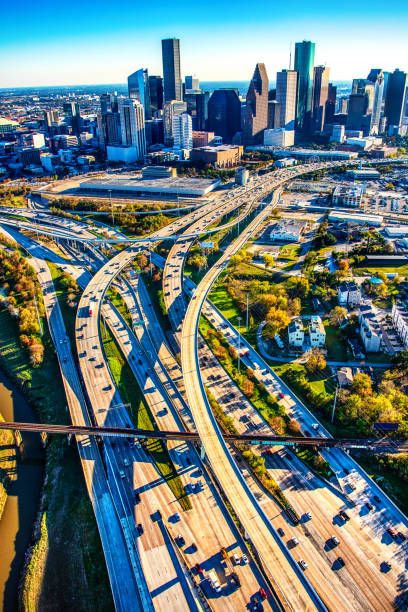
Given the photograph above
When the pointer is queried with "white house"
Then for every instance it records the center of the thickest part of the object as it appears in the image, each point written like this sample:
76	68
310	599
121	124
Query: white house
317	333
399	316
370	331
349	294
296	335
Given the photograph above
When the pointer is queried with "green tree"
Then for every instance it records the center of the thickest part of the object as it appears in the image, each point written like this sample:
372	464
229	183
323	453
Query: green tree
337	316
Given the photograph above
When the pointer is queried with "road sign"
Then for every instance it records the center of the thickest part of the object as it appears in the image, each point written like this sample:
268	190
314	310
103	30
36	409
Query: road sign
386	426
207	245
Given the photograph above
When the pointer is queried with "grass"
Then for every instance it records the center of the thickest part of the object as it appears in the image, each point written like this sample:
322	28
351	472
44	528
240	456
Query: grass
142	417
68	536
8	462
220	297
401	270
335	343
68	312
289	252
119	303
395	487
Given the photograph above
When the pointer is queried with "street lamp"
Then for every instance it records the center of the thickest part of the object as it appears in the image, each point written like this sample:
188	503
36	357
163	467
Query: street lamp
239	344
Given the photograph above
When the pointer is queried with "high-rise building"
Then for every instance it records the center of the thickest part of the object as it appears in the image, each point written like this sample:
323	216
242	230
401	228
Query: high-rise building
256	108
304	62
330	103
394	102
170	110
72	113
156	93
357	109
132	125
224	113
138	88
192	82
376	76
286	87
319	97
51	119
273	114
183	131
171	69
197	107
109	103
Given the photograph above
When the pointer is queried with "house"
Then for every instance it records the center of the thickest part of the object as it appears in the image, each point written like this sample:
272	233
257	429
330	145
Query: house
296	335
349	294
370	330
399	315
345	377
317	333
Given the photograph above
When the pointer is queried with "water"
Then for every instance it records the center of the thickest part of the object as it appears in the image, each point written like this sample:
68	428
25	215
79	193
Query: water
24	495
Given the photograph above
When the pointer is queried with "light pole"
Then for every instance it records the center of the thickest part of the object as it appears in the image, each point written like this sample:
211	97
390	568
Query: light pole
335	402
239	344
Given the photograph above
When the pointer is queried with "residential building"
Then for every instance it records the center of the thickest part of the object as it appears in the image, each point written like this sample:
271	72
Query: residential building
287	230
349	294
224	156
296	334
256	108
138	88
170	110
344	195
183	131
279	137
304	62
286	89
173	89
395	98
317	332
399	315
132	125
224	113
156	94
370	331
320	95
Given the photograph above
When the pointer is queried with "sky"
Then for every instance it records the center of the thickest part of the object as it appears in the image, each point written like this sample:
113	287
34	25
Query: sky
100	41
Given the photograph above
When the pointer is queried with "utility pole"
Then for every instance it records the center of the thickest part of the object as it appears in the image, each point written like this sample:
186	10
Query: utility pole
239	344
334	403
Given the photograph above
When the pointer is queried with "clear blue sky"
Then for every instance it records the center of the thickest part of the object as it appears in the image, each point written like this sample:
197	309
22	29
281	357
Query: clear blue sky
75	42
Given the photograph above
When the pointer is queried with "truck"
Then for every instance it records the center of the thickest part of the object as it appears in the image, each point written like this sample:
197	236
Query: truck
213	579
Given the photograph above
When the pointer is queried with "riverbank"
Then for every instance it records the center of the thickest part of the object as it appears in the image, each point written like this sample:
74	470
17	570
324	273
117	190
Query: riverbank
65	566
8	463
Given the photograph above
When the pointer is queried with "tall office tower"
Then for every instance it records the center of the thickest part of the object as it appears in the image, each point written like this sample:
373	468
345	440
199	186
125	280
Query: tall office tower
156	93
183	131
273	114
376	76
51	119
224	113
304	62
173	89
170	110
286	88
319	97
132	125
109	102
192	82
72	113
109	131
357	108
256	108
138	88
330	103
197	107
364	86
394	102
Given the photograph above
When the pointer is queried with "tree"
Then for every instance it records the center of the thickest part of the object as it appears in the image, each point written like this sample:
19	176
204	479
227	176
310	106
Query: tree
362	385
276	320
196	260
316	360
268	260
298	286
337	316
400	361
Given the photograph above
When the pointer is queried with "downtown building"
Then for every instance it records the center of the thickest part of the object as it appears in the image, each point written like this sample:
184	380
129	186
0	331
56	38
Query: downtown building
182	131
304	63
224	114
320	96
133	138
396	100
256	108
173	86
171	109
138	89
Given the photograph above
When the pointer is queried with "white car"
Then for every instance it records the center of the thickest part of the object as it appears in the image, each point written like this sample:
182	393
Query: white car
303	564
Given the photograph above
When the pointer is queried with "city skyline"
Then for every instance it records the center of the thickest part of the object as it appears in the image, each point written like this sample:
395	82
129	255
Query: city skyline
112	47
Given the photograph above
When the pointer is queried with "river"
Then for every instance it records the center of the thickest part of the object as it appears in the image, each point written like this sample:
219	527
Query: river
21	507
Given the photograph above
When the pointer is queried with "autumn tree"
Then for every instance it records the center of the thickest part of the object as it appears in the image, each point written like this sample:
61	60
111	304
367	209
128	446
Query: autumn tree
337	316
316	360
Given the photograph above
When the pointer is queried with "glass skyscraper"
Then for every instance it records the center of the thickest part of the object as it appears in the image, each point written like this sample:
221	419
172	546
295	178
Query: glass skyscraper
304	63
138	88
173	89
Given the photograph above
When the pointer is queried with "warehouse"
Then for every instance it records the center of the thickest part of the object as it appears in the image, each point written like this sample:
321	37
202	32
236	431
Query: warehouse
185	187
349	217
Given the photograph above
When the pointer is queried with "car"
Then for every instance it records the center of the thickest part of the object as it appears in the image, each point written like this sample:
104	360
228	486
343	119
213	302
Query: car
126	462
244	559
281	395
340	562
401	536
280	532
369	506
180	540
140	529
391	531
335	540
308	516
377	499
344	515
198	568
294	541
303	564
263	593
236	558
137	497
122	474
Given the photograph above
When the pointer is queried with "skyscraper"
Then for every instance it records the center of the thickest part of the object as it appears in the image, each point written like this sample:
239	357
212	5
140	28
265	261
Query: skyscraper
256	109
286	85
156	93
376	76
183	131
171	69
394	102
192	82
109	102
357	108
197	107
132	125
319	97
224	113
170	110
304	62
138	88
331	103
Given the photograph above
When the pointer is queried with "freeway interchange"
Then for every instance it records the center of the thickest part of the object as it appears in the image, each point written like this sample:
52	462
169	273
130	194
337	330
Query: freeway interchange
164	556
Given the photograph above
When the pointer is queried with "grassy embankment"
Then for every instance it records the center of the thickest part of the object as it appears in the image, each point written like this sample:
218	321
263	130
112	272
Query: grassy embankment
8	461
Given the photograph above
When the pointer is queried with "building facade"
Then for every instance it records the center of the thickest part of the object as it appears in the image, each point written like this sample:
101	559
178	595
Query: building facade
132	125
395	98
173	89
286	88
224	113
320	96
317	333
171	110
183	131
138	89
304	62
296	334
256	108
